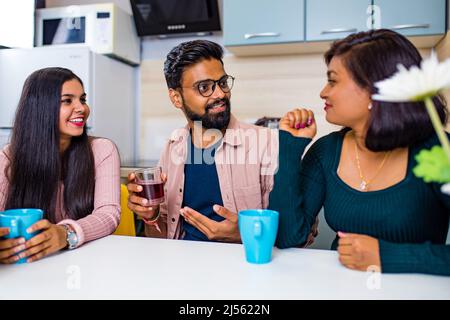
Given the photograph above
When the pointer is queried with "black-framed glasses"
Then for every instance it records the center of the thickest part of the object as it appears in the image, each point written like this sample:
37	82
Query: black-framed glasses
207	87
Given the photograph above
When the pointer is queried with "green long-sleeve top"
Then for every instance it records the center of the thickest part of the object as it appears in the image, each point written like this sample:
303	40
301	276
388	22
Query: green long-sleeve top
410	219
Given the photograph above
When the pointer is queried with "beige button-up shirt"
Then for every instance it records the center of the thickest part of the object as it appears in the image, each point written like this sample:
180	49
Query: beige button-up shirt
246	161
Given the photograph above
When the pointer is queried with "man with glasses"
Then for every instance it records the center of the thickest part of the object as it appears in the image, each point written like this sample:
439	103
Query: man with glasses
216	165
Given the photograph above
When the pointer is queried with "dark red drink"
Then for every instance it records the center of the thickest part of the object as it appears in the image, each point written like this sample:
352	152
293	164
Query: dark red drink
152	191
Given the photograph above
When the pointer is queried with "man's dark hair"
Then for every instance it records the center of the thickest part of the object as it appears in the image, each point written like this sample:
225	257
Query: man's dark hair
186	54
373	56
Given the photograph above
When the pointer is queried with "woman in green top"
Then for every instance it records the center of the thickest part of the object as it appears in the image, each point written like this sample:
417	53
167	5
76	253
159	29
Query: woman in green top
362	175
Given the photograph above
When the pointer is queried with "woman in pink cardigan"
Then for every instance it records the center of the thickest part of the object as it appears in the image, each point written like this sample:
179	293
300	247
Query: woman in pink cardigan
52	164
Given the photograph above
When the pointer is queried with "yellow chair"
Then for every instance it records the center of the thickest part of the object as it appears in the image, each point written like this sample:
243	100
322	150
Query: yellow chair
126	226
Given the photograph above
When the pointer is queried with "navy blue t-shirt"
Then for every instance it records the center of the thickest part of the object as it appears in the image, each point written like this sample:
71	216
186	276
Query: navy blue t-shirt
201	187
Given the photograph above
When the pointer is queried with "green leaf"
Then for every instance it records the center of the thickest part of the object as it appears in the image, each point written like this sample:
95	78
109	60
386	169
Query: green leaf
433	165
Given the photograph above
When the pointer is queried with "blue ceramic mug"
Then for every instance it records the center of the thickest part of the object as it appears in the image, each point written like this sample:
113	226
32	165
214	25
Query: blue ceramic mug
18	221
258	229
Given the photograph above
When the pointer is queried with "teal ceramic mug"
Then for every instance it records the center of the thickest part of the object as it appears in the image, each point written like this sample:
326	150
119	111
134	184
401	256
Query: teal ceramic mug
258	229
18	221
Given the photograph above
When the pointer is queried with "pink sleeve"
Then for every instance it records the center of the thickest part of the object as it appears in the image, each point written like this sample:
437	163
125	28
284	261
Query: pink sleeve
4	184
105	218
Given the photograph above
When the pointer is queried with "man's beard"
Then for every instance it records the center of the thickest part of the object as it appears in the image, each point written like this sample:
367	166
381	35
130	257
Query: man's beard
211	120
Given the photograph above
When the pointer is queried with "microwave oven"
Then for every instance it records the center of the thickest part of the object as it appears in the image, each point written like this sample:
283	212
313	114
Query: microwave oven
104	27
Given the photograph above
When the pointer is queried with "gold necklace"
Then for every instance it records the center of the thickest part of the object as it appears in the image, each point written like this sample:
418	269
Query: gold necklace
364	185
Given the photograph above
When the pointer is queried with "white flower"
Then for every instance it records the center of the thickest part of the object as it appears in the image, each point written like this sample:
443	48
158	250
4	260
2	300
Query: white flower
415	84
446	189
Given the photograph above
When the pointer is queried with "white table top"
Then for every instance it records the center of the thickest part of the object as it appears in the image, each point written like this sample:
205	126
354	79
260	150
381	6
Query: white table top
143	268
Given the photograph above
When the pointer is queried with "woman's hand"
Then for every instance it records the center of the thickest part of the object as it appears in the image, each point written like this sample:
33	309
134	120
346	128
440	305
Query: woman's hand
9	248
50	240
359	252
140	205
299	123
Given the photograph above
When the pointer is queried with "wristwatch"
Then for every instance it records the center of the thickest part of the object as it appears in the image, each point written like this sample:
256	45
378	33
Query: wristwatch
71	237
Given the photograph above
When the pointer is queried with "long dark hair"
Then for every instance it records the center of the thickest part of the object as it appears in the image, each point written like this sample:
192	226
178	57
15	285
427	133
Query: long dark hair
36	166
372	56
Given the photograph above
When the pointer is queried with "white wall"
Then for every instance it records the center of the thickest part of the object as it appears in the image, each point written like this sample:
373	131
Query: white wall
17	16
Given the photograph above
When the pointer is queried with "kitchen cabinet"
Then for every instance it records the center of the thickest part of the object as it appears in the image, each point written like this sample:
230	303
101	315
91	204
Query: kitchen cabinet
253	22
267	27
412	17
331	19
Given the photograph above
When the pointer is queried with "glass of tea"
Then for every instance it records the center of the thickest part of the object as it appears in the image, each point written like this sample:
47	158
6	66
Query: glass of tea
152	185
